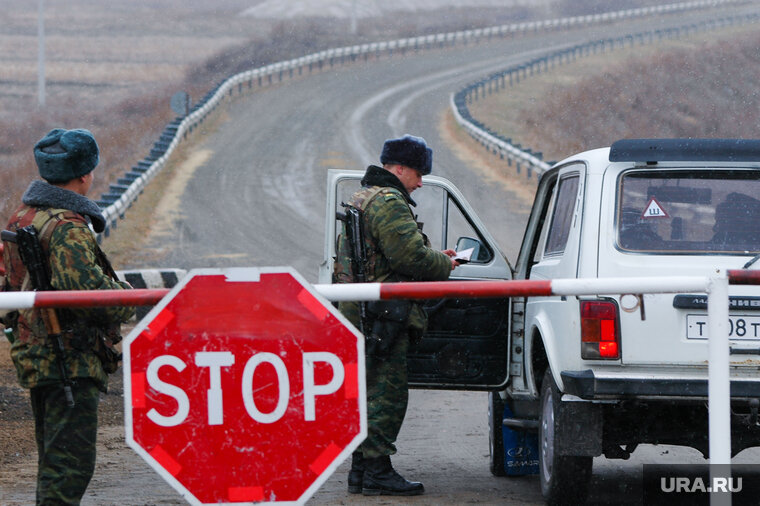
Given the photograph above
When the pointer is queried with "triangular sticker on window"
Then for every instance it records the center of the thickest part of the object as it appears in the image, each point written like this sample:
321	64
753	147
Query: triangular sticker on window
654	210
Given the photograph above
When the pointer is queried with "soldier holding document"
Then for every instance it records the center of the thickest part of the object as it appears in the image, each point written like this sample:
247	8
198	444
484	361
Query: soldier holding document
381	242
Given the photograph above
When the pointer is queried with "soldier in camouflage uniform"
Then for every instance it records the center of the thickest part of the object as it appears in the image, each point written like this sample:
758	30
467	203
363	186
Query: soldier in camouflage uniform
396	251
60	213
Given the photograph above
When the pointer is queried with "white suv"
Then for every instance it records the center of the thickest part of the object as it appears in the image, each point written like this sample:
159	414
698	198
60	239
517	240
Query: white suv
597	376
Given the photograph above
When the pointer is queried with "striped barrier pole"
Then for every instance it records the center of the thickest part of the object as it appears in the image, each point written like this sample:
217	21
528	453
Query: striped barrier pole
475	289
382	291
81	298
716	286
404	290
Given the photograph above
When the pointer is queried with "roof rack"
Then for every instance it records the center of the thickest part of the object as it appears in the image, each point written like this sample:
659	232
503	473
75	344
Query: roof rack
688	150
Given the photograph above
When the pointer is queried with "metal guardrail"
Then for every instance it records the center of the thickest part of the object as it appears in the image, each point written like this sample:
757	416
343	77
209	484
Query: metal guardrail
513	152
121	195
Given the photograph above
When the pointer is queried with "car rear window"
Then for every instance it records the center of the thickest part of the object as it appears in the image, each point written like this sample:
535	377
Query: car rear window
689	211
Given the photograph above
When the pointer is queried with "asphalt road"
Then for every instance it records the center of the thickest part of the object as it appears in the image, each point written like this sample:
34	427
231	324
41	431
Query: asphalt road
259	198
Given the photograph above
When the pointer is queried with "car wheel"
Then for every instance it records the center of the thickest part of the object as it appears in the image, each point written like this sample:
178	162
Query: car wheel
495	434
564	479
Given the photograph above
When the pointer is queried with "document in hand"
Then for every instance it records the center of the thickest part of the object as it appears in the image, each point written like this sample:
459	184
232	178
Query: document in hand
464	256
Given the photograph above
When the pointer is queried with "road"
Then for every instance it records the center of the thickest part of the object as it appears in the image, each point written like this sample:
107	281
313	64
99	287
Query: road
259	195
256	197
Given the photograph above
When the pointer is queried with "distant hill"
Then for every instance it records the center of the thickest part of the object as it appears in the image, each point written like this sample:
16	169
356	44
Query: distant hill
286	9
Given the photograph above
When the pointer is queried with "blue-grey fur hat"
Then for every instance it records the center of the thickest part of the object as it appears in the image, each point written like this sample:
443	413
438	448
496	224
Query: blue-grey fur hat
63	155
409	151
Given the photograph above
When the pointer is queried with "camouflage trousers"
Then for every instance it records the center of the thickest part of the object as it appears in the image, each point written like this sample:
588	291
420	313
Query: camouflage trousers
65	441
387	399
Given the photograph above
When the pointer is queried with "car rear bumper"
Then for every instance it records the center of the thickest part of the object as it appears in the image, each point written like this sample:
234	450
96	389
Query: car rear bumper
586	385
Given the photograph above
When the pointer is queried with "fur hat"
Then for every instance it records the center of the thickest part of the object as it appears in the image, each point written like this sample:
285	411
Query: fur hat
63	155
409	151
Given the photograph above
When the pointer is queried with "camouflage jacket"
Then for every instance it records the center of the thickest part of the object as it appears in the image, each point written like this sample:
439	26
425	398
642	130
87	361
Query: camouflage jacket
396	248
76	262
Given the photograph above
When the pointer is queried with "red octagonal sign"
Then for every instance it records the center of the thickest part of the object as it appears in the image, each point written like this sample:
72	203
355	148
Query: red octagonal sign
244	385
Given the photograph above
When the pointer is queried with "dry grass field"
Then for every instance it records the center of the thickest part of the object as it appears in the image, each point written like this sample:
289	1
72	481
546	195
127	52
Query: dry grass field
113	66
110	67
701	86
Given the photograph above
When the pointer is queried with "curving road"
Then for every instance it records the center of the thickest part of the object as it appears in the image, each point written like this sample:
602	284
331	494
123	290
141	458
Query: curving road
259	198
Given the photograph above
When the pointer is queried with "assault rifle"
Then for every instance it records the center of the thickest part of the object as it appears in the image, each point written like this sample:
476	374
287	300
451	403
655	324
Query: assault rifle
355	237
380	321
33	258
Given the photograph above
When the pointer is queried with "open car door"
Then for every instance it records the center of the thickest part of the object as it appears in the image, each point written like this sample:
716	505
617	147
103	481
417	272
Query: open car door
466	345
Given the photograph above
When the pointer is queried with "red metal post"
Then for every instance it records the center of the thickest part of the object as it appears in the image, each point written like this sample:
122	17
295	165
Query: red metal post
464	289
743	277
100	298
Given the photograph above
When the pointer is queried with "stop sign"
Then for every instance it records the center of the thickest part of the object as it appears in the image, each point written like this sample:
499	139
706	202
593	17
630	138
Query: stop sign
244	385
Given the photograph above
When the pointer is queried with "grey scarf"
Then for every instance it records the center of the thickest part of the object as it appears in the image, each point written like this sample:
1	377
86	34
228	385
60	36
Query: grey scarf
42	194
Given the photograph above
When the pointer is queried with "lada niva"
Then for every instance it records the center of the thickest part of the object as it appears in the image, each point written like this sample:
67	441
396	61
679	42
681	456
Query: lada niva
588	376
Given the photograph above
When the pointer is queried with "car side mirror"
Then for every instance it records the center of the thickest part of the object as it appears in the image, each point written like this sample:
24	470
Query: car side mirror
480	252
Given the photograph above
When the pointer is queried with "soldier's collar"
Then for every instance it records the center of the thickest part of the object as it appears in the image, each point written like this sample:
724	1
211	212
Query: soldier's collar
43	194
378	176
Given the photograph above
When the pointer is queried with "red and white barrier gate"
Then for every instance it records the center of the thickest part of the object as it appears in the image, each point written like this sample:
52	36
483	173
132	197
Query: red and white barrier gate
715	286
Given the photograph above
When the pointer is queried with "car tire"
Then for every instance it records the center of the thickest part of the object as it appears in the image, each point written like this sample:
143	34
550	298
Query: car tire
564	479
496	434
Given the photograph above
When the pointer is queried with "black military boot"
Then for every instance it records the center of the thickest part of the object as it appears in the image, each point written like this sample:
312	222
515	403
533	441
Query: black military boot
381	479
356	474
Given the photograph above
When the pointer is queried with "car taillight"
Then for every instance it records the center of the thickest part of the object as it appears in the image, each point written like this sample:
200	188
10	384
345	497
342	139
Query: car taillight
600	330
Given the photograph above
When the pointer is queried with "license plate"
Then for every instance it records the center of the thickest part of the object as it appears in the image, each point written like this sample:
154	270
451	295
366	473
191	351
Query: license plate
740	327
